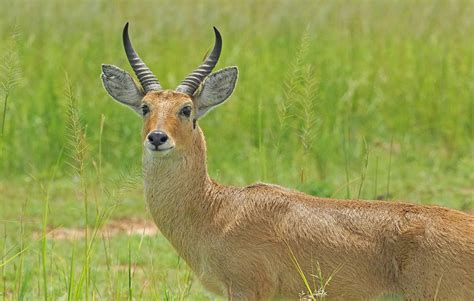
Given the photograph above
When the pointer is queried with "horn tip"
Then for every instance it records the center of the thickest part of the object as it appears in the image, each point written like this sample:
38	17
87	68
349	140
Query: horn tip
217	33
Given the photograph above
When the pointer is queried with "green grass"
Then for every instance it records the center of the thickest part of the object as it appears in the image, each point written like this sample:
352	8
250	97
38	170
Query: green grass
358	99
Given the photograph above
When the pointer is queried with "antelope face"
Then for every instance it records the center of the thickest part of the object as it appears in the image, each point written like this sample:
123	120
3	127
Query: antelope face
168	122
169	116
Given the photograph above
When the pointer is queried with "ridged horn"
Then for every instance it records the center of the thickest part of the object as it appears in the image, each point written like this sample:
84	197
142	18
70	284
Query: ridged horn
147	79
194	79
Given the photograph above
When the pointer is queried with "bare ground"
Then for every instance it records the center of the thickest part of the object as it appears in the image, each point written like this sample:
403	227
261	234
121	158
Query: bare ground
129	226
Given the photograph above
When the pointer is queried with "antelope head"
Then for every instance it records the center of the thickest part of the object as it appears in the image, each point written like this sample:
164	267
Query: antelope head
169	115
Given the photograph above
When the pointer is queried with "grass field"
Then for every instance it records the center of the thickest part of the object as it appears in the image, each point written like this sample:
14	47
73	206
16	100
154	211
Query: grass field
347	99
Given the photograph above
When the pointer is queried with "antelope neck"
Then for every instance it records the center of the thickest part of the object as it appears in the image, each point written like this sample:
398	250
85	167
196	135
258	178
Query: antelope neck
175	189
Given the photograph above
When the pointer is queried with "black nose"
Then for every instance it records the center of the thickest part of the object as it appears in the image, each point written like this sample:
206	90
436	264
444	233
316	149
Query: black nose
157	138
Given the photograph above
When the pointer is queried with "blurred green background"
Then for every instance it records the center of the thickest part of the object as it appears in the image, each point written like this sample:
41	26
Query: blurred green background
346	99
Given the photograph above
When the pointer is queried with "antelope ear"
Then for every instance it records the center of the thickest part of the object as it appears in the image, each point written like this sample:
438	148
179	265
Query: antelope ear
216	88
120	85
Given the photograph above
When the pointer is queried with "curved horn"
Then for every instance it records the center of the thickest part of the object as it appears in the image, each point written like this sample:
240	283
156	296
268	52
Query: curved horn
194	79
147	79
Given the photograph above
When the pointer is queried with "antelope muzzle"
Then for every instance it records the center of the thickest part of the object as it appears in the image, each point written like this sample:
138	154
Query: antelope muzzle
158	141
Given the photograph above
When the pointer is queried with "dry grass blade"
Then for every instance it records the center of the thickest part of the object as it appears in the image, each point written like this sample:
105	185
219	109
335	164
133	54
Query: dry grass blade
300	270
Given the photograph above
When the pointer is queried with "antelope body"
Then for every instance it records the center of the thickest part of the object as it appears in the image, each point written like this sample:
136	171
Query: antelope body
246	243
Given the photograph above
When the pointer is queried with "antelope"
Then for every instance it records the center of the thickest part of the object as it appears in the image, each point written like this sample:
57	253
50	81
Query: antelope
258	242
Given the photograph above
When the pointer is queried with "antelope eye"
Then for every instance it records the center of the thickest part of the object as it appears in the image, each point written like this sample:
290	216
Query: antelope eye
145	109
186	111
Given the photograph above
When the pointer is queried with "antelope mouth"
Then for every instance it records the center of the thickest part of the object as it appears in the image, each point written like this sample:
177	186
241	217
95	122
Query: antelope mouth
158	149
158	152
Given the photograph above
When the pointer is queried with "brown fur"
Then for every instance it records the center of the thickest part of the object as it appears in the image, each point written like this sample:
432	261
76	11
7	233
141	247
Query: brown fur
238	239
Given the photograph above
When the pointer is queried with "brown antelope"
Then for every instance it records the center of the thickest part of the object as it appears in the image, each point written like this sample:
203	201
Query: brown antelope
246	243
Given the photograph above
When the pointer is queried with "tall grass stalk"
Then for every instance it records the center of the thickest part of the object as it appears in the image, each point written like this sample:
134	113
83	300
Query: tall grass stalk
292	86
297	110
323	283
346	165
84	278
4	115
44	246
44	242
364	169
19	284
318	292
4	254
300	270
78	149
101	133
6	260
10	74
307	115
107	262
261	144
376	176
186	290
70	287
130	291
307	102
389	169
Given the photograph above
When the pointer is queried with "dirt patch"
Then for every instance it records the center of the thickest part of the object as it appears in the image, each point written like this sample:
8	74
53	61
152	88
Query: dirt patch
129	226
